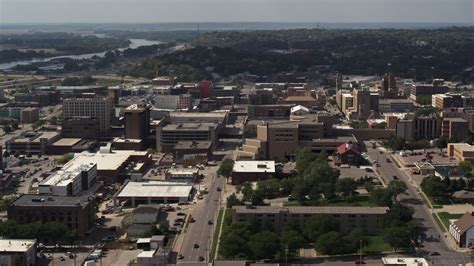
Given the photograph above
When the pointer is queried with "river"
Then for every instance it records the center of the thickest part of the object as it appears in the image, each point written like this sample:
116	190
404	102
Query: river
134	43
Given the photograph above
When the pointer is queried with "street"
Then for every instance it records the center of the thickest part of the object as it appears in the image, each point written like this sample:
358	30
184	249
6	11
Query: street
447	256
200	232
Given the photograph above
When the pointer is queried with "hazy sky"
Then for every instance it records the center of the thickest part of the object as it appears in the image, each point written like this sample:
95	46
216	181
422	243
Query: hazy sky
57	11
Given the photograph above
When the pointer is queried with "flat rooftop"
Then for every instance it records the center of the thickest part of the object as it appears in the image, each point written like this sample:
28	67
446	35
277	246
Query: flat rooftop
16	245
66	175
35	137
311	210
189	126
254	167
463	146
405	261
67	142
155	189
105	161
188	145
33	200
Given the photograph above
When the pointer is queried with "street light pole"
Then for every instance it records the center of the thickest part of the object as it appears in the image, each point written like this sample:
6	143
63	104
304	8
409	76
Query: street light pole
360	250
286	255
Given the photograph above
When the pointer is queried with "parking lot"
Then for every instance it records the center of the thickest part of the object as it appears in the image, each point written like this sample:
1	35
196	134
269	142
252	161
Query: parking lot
435	158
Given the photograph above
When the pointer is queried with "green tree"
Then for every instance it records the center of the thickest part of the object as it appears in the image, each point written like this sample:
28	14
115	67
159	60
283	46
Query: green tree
396	187
398	215
433	186
226	168
466	168
319	224
398	237
441	143
304	158
346	186
233	245
7	129
264	245
292	240
330	243
232	200
381	197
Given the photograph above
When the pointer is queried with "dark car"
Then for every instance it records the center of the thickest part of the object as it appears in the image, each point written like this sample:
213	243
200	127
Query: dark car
395	177
201	258
181	214
196	246
359	262
180	257
219	189
434	253
209	222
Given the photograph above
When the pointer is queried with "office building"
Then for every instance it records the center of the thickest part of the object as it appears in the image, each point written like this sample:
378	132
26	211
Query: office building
137	121
368	220
273	111
77	213
396	105
180	101
250	171
84	127
455	128
95	107
448	100
29	115
70	180
413	128
168	136
32	142
461	152
388	86
42	98
365	102
18	252
262	97
424	92
226	90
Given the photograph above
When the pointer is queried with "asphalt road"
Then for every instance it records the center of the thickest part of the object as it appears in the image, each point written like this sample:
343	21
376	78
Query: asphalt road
200	232
447	256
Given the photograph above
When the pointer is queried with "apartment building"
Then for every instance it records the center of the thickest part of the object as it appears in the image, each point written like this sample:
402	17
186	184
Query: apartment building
367	219
461	151
96	107
77	213
137	121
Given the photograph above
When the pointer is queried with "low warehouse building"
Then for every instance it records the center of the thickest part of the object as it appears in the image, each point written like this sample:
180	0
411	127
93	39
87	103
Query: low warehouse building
155	192
244	171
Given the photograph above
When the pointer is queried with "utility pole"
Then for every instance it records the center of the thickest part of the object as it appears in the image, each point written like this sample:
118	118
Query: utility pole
360	248
286	255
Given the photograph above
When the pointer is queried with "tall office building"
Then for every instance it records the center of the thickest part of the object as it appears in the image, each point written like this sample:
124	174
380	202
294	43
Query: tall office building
96	107
137	121
389	86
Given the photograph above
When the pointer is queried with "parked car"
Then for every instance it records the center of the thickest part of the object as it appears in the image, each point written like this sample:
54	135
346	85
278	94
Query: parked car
196	245
209	222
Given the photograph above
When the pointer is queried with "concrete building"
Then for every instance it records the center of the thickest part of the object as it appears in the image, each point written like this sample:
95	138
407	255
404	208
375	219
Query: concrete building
18	252
413	128
448	100
396	105
365	102
154	257
96	107
32	142
224	90
270	111
388	86
461	151
43	98
137	121
71	180
172	102
186	150
462	230
171	134
29	115
455	128
114	166
70	145
262	97
367	219
245	171
84	127
419	92
154	192
146	214
77	213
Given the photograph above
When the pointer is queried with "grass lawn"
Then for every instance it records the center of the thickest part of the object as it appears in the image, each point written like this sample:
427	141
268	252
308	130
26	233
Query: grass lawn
225	225
446	216
216	233
357	200
107	82
376	245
